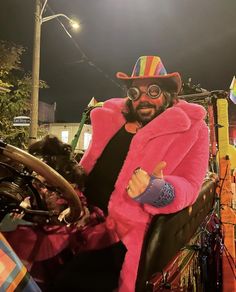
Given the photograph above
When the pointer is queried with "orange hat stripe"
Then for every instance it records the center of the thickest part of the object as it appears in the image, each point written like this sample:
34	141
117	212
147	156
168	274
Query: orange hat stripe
149	62
154	66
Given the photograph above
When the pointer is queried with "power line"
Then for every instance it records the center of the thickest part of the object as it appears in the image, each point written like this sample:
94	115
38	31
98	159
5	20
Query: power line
84	57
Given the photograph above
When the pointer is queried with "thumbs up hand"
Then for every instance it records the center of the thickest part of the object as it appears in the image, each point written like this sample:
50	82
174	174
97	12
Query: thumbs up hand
158	170
140	179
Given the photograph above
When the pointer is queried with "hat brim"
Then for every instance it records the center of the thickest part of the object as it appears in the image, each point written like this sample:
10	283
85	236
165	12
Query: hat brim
173	80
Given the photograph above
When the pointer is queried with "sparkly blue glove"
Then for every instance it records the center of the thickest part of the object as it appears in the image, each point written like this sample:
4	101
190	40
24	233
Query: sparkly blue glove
158	193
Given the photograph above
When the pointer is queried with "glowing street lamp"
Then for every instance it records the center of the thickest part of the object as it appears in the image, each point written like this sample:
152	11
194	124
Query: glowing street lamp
39	20
73	23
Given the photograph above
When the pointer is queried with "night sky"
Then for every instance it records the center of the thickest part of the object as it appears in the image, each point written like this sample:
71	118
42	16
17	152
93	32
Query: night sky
194	37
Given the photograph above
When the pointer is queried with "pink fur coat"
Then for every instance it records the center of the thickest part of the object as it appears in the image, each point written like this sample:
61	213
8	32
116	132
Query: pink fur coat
178	136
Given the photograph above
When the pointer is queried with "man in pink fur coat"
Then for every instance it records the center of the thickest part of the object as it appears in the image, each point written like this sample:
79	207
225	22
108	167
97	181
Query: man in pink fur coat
148	156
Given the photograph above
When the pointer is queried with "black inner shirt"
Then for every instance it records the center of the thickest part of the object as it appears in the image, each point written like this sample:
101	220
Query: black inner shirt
101	180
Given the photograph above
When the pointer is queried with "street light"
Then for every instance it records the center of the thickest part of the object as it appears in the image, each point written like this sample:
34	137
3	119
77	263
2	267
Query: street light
39	20
72	22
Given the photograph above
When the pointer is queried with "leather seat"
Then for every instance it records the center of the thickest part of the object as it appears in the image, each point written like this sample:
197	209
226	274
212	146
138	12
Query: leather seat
167	234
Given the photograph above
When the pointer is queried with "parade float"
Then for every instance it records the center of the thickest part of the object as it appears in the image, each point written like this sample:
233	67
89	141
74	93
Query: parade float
192	250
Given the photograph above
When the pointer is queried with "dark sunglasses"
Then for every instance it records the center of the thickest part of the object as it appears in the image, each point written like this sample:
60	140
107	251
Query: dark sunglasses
153	91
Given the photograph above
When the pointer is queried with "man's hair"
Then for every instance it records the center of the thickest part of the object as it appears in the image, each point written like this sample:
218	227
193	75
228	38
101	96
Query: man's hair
128	111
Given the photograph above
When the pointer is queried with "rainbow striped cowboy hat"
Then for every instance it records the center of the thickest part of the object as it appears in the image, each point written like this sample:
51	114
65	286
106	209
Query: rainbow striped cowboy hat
152	67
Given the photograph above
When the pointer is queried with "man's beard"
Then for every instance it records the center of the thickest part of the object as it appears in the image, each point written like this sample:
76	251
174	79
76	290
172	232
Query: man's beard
146	118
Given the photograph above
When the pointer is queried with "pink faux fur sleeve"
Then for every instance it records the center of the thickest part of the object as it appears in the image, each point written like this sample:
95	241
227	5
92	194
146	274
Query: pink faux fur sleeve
188	177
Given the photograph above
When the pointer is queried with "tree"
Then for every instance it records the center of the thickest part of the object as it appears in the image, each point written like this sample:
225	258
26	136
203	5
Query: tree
15	92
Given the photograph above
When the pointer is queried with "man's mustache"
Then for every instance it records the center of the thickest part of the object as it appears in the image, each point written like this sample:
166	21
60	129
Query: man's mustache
145	105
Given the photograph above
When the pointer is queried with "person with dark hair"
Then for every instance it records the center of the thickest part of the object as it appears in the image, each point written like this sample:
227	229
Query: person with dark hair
148	156
58	155
44	248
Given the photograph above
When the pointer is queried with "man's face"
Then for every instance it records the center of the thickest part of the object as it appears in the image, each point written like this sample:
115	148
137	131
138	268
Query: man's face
146	108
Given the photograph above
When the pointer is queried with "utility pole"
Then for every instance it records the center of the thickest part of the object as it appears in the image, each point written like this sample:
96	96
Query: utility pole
35	74
39	19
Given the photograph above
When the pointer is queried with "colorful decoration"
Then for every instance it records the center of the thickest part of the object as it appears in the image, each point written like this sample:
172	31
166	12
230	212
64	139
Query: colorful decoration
13	275
232	88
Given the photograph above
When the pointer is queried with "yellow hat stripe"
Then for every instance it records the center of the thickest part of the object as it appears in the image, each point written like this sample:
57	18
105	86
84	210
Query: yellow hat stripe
155	61
142	66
